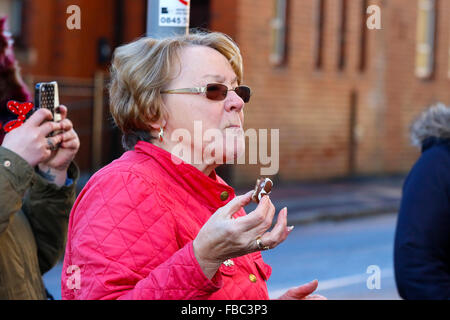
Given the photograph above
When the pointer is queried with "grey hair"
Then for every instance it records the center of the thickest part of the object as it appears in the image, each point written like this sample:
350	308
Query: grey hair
433	122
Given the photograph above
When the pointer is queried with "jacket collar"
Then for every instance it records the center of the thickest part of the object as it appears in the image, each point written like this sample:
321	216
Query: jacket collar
210	190
433	141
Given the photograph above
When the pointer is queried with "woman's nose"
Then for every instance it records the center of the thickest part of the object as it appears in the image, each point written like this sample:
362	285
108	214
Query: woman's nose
233	102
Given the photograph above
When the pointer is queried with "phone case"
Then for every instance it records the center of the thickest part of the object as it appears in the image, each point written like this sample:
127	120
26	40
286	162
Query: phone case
47	96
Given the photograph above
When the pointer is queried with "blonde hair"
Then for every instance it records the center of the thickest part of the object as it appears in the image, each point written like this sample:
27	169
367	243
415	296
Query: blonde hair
433	122
142	68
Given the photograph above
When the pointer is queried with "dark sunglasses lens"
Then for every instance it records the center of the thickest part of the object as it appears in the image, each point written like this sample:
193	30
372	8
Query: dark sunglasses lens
216	92
243	92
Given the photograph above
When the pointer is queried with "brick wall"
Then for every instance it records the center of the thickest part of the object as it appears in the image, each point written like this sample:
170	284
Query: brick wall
312	107
333	121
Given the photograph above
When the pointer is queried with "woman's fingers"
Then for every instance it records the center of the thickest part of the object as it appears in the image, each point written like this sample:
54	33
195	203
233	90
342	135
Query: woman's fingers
68	135
52	142
242	233
270	214
258	219
49	127
71	144
236	204
39	117
279	232
305	290
66	125
301	292
63	111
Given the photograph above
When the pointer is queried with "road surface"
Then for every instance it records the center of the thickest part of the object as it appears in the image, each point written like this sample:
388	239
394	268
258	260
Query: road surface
338	254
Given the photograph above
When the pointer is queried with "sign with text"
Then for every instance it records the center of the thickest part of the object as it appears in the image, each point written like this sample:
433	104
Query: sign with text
173	13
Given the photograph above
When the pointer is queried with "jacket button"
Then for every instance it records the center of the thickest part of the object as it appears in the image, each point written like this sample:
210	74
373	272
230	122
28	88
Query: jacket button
7	163
252	277
224	196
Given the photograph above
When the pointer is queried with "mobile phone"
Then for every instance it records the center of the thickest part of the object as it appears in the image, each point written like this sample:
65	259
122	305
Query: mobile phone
46	95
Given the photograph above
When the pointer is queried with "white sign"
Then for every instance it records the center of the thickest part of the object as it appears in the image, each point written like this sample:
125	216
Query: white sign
173	13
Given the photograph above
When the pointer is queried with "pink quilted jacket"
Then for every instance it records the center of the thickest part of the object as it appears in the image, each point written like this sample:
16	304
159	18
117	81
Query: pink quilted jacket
131	231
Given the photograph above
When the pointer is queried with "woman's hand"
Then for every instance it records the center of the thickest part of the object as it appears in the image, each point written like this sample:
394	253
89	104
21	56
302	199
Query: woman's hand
55	167
30	140
223	237
303	292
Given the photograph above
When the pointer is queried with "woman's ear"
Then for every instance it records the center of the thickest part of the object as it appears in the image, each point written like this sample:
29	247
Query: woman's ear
158	125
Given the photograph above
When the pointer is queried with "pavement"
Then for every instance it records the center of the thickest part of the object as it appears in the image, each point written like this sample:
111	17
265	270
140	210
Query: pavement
335	199
339	199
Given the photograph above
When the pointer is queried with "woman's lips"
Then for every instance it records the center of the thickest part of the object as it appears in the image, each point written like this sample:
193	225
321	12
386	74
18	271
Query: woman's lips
234	129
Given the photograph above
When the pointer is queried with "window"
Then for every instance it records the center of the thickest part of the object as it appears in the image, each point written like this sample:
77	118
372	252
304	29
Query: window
363	38
318	47
342	34
426	24
279	31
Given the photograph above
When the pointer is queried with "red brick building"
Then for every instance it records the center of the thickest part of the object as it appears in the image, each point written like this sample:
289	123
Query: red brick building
341	94
344	96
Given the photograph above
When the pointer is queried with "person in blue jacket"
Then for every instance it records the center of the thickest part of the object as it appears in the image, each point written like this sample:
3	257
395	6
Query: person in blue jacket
422	239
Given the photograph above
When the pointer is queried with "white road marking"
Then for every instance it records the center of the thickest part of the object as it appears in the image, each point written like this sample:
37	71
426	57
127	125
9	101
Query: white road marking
338	282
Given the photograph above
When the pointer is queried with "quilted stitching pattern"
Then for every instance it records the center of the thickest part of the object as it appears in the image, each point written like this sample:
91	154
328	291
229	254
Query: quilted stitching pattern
131	231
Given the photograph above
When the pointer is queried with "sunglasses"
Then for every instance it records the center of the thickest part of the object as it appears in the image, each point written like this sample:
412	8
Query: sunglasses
215	91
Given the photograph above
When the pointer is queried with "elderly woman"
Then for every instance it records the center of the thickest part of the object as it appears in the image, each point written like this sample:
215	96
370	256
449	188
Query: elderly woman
422	246
156	224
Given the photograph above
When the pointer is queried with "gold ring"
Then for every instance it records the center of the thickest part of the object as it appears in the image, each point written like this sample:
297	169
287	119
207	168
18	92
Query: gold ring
260	244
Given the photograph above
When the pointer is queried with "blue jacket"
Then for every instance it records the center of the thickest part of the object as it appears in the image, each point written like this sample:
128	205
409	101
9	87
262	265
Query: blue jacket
422	240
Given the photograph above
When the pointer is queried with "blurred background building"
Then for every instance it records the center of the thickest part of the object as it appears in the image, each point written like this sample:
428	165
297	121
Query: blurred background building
341	94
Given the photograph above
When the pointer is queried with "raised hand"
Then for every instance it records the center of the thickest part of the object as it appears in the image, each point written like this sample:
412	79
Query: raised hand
223	237
54	168
303	292
30	139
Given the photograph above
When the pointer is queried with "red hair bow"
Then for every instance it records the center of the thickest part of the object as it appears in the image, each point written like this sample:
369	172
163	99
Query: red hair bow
19	109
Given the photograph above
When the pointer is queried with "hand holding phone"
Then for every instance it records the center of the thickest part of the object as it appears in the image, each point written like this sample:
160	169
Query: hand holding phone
47	96
31	140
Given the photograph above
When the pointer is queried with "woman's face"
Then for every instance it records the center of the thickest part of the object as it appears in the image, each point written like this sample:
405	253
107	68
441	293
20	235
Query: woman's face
211	130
